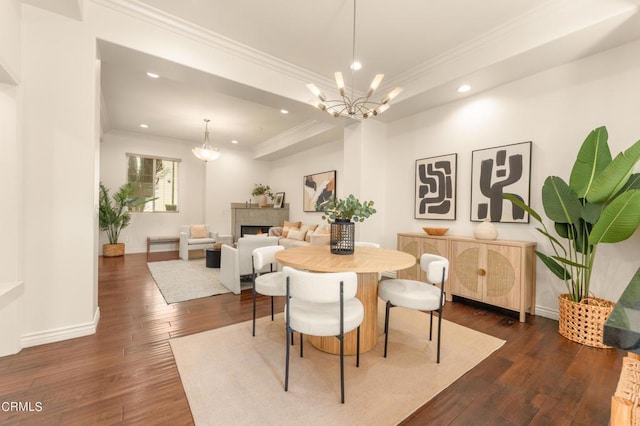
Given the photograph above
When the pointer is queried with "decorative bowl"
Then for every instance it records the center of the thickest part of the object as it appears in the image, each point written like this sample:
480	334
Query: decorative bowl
435	231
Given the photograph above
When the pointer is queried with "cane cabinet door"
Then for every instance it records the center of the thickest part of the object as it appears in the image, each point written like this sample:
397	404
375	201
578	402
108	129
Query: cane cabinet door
490	273
416	245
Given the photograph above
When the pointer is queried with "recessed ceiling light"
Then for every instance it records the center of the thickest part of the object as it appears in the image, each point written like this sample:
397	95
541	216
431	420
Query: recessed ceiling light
144	126
284	111
153	75
356	66
464	88
234	141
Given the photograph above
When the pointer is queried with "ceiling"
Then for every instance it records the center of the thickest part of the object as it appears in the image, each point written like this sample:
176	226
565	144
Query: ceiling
427	47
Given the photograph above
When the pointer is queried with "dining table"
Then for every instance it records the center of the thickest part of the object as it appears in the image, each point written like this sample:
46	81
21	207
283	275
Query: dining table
367	263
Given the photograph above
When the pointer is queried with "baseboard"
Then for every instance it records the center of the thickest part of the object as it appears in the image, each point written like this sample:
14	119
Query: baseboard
547	313
59	334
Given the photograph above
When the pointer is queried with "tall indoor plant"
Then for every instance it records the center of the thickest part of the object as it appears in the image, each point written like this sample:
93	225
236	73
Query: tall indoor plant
600	204
340	213
114	216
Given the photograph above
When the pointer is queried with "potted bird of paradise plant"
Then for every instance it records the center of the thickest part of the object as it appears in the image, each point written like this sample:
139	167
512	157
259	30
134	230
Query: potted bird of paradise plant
600	204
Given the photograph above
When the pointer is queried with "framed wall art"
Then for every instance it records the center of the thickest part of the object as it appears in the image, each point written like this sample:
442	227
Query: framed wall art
435	196
318	189
279	200
497	171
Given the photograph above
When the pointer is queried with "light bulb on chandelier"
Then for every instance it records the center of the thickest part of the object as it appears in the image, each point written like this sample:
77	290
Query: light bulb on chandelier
353	106
206	152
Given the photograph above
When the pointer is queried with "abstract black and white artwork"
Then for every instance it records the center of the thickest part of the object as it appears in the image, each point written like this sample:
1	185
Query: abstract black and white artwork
318	190
497	171
436	187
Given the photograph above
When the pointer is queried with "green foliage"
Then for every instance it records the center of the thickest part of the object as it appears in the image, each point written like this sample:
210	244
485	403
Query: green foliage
601	204
114	213
261	189
348	208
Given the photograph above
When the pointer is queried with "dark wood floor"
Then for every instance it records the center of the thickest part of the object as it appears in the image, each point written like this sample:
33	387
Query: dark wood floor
126	373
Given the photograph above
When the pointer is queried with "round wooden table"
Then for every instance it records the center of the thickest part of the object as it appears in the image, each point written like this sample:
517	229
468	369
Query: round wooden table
367	262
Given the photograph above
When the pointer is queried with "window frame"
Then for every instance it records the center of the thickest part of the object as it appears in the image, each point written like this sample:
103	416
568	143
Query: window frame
175	185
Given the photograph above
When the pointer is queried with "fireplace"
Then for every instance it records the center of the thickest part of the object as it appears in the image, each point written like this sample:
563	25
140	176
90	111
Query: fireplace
254	229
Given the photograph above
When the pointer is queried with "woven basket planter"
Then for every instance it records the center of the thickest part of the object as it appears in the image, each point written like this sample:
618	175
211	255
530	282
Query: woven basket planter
584	322
113	250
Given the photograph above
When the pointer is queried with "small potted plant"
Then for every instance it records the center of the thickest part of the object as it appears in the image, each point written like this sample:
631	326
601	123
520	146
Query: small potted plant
261	192
341	214
114	216
600	204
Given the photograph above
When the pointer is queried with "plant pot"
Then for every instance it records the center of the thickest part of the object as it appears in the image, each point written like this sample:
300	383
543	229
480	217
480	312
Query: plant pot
113	250
584	322
171	207
261	200
342	237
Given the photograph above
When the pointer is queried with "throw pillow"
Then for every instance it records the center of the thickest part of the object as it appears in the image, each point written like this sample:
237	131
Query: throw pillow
199	231
296	234
289	225
324	229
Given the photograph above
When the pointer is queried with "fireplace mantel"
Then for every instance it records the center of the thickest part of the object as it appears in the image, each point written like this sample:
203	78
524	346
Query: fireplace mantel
251	214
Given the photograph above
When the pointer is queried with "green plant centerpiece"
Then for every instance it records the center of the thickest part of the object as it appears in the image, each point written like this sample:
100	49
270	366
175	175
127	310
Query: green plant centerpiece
114	216
600	204
261	192
341	214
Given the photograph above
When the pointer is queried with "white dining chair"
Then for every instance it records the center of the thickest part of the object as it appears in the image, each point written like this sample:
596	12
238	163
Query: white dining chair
267	280
366	244
418	295
322	304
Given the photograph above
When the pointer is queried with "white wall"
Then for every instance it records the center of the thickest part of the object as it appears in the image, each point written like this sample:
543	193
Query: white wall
287	175
231	179
113	173
555	110
10	39
57	124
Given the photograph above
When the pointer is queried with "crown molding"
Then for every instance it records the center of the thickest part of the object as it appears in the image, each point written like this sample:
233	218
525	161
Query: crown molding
139	10
523	25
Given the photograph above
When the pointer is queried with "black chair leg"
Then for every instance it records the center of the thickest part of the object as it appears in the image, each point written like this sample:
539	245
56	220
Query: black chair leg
271	308
439	334
430	325
386	327
301	346
341	369
254	311
358	348
286	368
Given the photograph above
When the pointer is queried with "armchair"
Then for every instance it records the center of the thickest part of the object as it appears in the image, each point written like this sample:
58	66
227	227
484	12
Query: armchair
195	237
236	262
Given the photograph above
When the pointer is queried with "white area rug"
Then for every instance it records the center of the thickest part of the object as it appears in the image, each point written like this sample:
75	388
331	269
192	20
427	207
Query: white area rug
180	280
233	378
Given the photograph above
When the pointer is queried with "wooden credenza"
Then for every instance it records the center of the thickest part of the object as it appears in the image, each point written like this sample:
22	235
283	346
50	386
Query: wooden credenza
497	272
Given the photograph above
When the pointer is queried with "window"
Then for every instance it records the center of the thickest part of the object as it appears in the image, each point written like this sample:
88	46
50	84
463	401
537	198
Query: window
156	179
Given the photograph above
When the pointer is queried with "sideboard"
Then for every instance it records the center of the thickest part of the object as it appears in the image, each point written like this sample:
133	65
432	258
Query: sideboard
496	272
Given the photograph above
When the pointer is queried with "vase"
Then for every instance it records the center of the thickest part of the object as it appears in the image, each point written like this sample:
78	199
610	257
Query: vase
486	231
342	237
261	200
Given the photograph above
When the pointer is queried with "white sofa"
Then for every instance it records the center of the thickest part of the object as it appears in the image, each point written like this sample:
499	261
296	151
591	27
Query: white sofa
237	261
188	242
314	238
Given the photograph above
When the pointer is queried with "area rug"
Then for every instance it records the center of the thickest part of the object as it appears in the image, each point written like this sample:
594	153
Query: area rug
180	280
231	377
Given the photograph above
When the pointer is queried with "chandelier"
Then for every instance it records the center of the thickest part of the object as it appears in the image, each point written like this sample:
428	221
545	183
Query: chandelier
206	152
353	106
